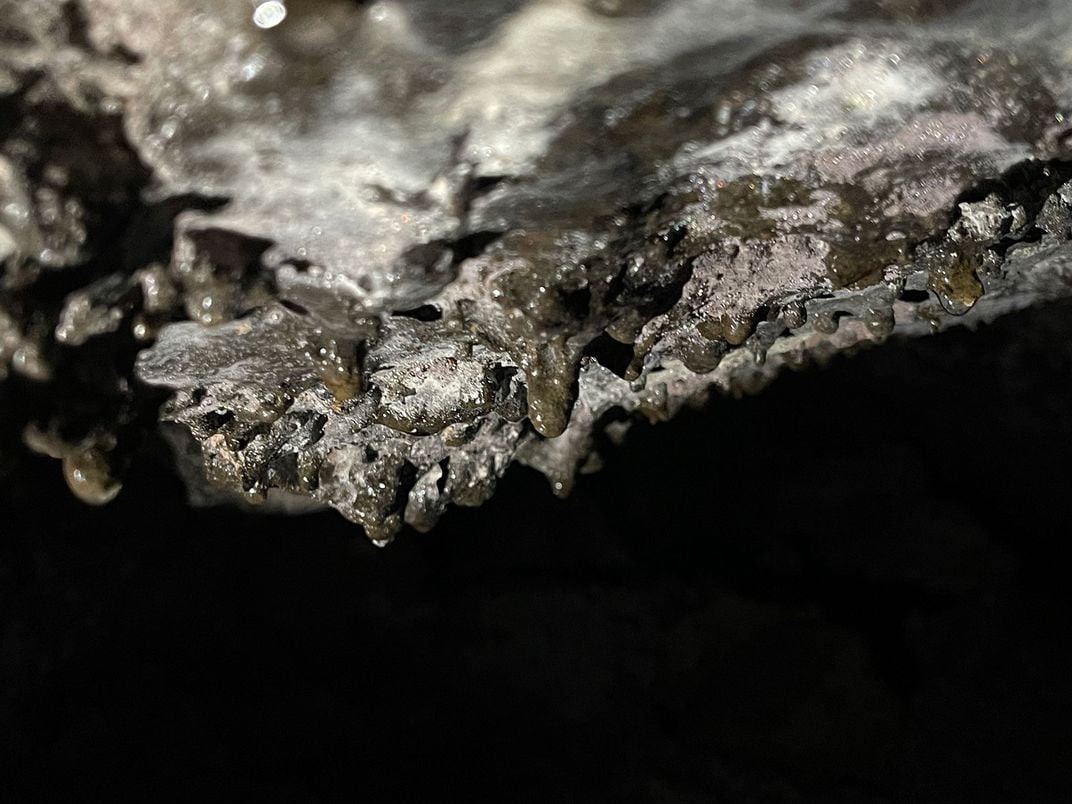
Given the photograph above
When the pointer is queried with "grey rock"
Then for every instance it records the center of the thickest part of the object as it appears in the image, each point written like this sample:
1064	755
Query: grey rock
404	244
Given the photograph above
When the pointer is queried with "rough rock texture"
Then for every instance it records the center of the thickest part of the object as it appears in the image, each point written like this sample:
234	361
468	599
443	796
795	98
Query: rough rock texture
381	252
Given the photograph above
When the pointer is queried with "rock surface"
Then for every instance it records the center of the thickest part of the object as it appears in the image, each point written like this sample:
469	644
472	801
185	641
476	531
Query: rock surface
379	253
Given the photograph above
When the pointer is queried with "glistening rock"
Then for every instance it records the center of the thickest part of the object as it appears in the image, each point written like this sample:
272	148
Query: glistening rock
414	244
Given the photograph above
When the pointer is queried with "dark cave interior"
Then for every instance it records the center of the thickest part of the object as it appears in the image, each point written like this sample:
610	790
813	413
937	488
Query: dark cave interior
851	587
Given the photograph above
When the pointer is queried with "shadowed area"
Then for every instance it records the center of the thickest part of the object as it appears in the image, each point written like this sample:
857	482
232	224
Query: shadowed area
851	588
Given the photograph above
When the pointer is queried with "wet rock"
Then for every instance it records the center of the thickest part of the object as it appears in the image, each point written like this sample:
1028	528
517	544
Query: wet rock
381	251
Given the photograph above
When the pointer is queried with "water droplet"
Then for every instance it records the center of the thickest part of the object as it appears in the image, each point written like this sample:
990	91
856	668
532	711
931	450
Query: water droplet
736	328
794	314
269	13
169	128
88	475
826	322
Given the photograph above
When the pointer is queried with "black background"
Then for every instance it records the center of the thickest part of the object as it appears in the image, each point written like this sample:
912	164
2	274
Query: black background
853	586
